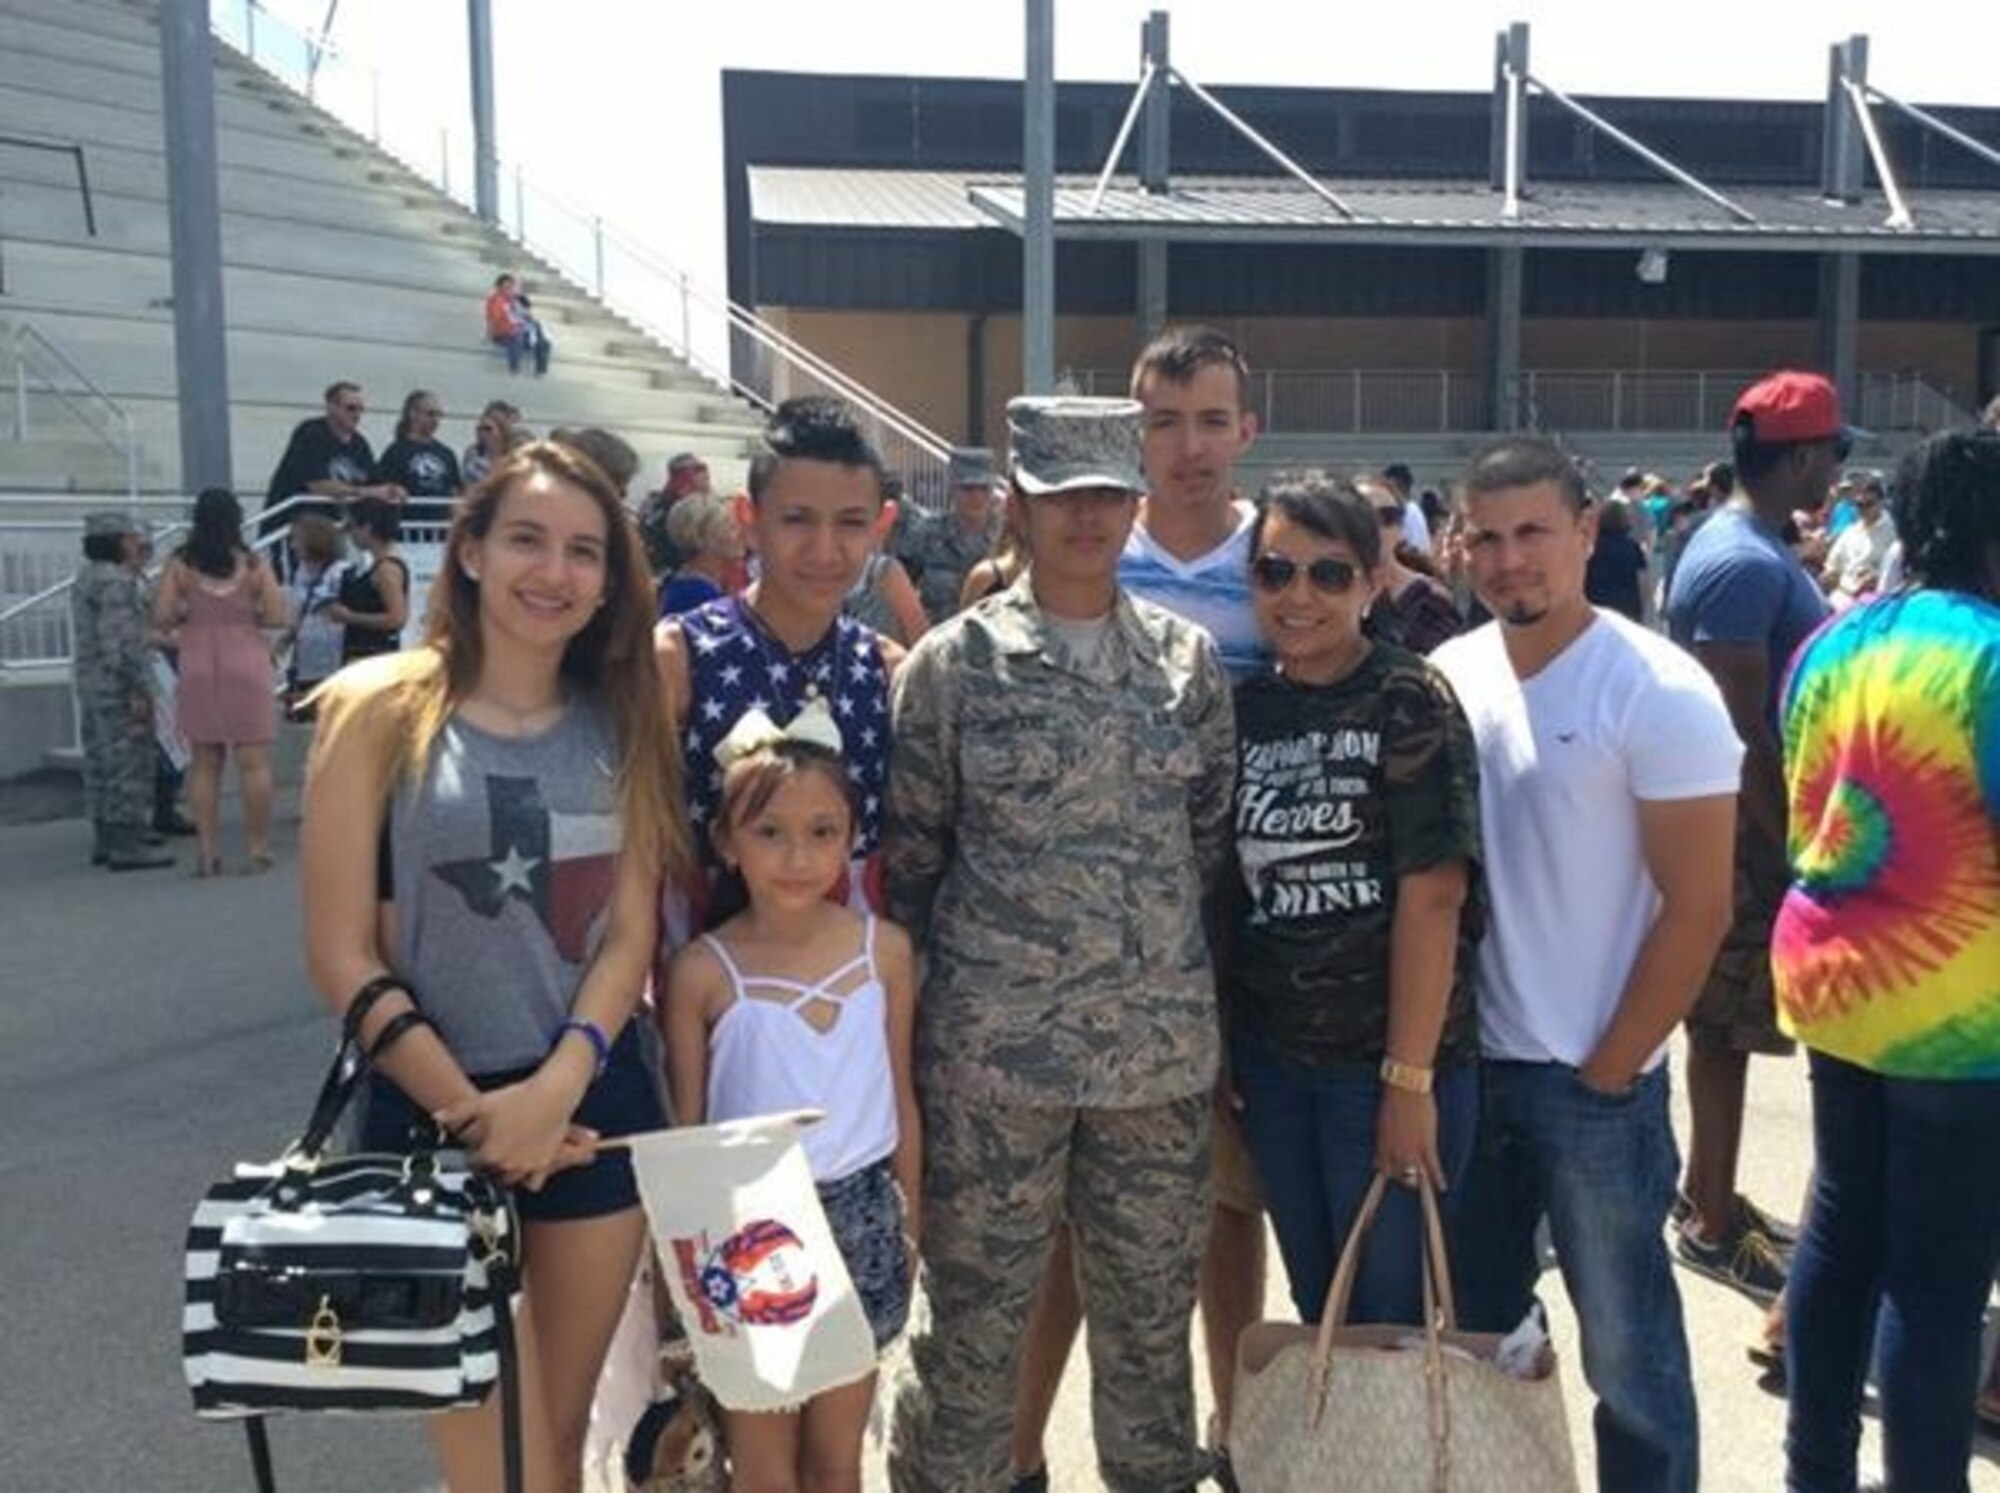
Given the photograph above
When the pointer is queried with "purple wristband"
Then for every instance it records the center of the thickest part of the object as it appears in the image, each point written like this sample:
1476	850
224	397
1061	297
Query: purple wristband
599	1043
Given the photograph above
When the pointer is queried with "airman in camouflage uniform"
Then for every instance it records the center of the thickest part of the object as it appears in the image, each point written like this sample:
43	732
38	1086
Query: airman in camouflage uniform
1058	807
940	549
108	626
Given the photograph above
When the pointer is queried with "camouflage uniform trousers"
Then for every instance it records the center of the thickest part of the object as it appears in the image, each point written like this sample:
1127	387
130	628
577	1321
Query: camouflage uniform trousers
117	761
998	1177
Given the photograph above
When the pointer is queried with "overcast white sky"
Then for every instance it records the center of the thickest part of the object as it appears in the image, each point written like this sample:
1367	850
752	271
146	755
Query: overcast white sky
618	104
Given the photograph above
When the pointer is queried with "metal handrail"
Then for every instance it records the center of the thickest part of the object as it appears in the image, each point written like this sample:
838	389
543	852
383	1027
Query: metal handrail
769	336
264	541
74	150
121	441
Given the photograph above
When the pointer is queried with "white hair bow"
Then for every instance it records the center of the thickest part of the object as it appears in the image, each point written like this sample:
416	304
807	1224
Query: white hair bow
814	725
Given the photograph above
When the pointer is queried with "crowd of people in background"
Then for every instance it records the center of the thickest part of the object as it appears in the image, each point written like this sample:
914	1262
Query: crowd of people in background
1249	845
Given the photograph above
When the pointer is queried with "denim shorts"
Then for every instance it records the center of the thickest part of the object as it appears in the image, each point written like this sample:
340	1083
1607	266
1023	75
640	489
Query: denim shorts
620	1100
865	1211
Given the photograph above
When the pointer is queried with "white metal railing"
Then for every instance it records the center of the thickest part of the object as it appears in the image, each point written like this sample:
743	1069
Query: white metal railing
1340	400
1400	401
1906	400
702	327
36	363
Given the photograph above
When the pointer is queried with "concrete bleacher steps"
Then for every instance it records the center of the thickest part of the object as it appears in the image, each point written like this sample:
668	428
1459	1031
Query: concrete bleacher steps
338	262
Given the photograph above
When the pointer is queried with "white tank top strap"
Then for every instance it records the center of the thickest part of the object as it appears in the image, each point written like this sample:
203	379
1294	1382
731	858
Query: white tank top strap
736	981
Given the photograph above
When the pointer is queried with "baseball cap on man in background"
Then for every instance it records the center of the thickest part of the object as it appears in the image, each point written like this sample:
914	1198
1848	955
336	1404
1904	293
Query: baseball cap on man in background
1789	408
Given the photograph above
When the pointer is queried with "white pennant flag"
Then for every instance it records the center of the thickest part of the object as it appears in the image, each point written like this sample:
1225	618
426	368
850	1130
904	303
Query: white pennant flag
755	1273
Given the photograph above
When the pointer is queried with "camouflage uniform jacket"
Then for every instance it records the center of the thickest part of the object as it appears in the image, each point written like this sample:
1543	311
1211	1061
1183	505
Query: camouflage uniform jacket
938	553
1053	826
108	624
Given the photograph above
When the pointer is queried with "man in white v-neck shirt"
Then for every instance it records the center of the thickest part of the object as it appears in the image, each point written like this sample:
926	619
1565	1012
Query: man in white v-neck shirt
1189	552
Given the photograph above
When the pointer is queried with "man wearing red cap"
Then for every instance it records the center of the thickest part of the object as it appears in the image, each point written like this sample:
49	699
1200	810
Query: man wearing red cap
1741	602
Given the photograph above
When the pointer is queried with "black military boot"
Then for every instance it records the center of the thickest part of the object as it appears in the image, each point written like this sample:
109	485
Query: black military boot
125	849
167	816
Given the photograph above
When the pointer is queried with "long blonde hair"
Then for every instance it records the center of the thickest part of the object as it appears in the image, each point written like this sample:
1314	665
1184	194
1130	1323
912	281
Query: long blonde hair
409	696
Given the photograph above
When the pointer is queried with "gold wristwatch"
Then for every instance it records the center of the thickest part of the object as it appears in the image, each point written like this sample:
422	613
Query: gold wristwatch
1403	1076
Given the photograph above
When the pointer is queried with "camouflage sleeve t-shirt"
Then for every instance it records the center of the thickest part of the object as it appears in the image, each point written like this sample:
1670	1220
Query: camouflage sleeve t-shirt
1340	790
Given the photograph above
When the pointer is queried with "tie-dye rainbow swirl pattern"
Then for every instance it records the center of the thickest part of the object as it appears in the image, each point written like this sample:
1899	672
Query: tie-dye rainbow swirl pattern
1887	948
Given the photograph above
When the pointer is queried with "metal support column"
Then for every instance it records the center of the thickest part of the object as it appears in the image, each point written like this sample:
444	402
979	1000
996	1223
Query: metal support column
1839	324
1843	155
1038	238
1504	269
485	151
194	218
1154	129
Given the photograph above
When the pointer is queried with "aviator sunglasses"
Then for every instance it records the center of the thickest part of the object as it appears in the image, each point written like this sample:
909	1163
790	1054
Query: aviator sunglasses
1274	573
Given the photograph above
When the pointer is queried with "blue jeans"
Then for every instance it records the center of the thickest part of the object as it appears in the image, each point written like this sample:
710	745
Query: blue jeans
1898	1253
526	338
1311	1132
1602	1170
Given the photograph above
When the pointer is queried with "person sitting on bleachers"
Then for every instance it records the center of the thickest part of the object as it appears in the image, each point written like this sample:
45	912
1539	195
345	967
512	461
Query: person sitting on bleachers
510	324
419	463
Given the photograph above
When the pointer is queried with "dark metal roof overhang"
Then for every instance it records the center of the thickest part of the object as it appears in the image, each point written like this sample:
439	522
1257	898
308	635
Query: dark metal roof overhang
1250	211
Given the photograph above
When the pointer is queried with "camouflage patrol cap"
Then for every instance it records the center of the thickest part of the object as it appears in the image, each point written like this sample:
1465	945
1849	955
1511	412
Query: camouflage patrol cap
1068	442
108	523
971	466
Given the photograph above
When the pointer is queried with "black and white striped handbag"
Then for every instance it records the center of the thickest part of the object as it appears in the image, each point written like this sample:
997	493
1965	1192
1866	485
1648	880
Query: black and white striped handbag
365	1283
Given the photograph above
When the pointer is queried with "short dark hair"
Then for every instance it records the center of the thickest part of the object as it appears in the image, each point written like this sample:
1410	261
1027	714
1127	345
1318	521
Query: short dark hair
109	547
1179	353
1947	510
377	516
501	279
1721	477
1525	461
1756	459
1331	507
612	453
1398	473
339	387
812	428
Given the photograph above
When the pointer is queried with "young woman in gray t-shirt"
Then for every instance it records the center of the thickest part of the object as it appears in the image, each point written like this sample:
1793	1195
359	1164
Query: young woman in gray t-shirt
488	820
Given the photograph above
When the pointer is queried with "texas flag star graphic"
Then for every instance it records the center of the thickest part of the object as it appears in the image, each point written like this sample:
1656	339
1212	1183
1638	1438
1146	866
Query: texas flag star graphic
560	865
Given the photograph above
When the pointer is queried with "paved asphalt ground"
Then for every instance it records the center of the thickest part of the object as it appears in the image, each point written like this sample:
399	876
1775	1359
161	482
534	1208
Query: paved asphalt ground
154	1028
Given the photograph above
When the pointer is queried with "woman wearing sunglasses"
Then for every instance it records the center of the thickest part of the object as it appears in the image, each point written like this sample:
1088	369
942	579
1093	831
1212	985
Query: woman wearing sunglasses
1347	981
1412	607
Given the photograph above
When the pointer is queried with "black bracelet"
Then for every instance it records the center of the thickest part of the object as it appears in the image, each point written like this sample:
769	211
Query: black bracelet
399	1026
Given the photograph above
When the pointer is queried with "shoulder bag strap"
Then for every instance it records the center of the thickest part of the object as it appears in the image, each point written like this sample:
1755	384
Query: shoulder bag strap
510	1377
260	1453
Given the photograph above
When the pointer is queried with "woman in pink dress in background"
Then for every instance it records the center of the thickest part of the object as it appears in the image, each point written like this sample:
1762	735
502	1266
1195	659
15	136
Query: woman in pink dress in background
217	597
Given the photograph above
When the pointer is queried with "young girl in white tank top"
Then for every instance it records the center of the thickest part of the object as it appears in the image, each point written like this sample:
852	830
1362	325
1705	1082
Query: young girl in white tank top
798	1002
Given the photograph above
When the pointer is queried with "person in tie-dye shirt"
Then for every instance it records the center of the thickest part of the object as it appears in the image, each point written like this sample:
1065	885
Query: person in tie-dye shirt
1886	955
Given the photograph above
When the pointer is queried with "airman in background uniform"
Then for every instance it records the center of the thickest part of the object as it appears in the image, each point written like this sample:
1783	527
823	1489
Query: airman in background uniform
114	696
1058	807
941	548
